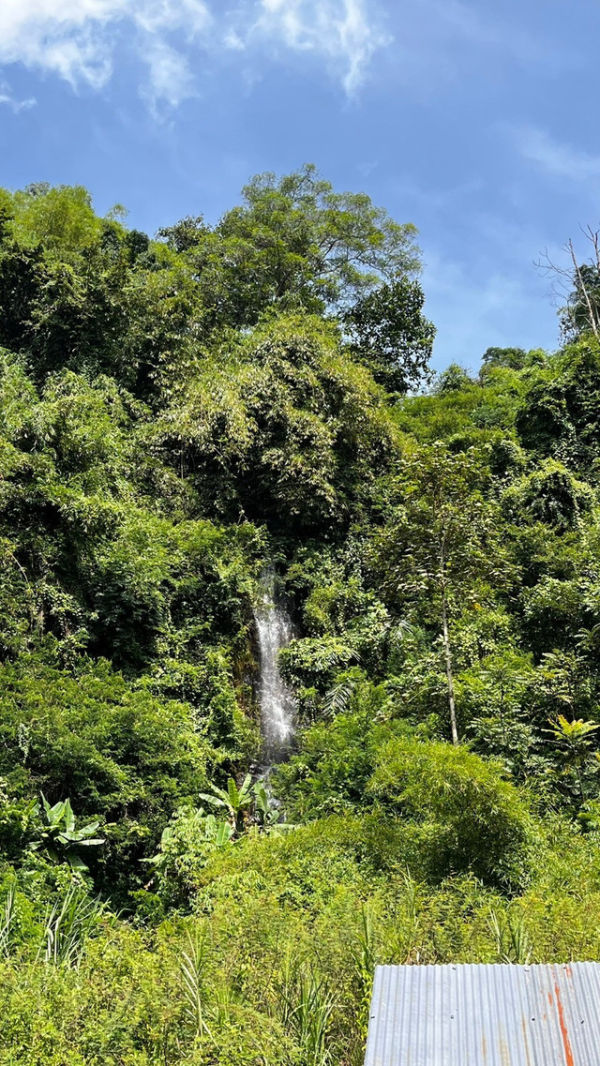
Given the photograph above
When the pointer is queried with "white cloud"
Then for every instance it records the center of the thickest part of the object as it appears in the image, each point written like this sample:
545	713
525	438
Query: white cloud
233	40
9	100
76	39
170	79
554	157
191	15
343	32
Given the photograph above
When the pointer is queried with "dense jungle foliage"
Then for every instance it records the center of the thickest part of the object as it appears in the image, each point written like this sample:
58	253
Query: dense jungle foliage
176	413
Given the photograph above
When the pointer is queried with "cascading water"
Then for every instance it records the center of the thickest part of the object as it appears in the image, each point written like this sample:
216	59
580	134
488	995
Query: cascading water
277	704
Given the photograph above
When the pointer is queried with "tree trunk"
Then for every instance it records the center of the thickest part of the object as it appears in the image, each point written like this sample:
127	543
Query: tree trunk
579	281
449	675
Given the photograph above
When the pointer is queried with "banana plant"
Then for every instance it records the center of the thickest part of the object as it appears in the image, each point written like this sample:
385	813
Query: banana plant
218	833
267	816
235	801
247	804
59	835
265	813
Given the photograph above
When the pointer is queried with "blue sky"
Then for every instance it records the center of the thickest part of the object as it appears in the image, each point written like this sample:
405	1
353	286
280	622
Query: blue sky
476	120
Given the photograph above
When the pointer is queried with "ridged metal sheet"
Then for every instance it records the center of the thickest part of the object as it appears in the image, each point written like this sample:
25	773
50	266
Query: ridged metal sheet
485	1016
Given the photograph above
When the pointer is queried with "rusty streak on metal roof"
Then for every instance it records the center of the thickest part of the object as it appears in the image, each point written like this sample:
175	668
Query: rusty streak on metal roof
499	1015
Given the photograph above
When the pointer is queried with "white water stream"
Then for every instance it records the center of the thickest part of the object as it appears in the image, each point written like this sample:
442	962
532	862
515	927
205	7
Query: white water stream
277	704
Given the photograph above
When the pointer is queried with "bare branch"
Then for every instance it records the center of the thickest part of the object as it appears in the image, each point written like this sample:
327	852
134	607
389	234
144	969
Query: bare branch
593	318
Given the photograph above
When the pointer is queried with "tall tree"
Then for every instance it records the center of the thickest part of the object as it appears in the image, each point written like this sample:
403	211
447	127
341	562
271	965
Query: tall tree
390	334
293	243
440	543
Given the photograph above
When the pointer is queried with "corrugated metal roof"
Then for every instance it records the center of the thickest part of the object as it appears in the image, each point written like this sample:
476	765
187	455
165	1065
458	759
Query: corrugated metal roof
500	1015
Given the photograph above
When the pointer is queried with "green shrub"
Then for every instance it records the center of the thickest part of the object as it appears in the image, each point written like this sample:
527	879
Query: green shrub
470	816
115	750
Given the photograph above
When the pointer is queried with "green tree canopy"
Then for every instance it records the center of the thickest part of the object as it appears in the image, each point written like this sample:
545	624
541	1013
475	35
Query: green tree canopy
293	242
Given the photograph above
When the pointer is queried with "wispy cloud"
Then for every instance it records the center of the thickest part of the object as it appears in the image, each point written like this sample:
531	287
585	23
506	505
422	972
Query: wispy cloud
345	33
9	100
555	157
77	39
494	307
449	42
170	79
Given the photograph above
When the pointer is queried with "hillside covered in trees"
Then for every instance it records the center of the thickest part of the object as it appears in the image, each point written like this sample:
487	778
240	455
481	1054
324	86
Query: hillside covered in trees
176	415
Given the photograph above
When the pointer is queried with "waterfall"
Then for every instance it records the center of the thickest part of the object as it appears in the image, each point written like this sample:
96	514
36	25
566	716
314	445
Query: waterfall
277	704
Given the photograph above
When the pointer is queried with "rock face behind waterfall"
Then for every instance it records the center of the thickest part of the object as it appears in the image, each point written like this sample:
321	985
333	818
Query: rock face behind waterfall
277	704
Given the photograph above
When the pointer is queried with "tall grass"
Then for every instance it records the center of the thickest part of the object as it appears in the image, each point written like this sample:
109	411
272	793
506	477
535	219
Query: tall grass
7	921
192	972
511	937
306	1005
68	925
